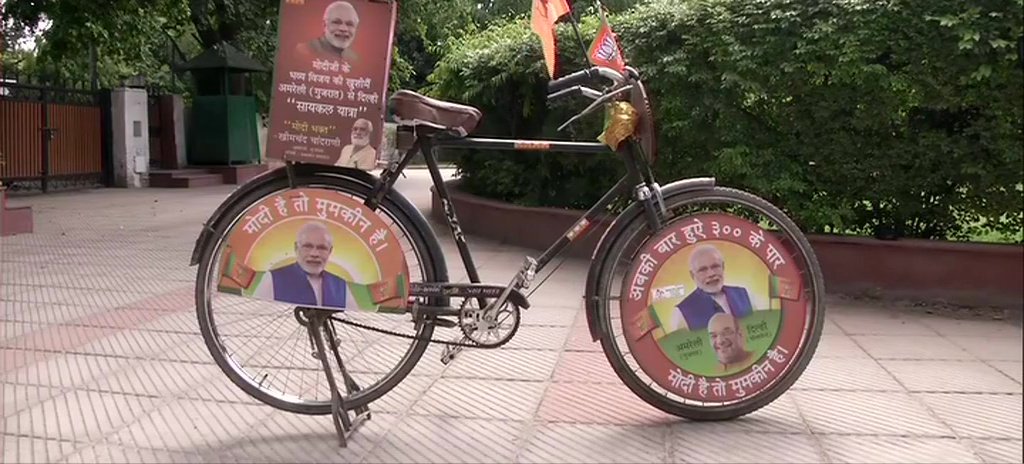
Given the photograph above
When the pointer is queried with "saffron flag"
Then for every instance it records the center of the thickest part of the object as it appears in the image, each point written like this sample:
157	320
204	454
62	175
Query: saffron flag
237	273
645	322
605	50
386	290
545	15
780	287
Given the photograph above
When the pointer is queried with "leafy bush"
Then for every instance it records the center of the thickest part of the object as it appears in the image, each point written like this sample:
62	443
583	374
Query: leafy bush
495	70
895	118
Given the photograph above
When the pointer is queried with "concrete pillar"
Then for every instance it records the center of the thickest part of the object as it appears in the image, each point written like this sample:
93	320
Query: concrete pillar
172	128
130	118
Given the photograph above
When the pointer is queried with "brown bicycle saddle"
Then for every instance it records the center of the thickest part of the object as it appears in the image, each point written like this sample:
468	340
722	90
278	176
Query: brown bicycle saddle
412	108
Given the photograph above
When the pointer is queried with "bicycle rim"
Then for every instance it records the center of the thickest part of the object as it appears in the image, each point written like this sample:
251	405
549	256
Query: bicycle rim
281	371
613	286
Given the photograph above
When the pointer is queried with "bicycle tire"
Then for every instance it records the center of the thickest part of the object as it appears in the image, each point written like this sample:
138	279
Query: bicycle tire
636	224
405	216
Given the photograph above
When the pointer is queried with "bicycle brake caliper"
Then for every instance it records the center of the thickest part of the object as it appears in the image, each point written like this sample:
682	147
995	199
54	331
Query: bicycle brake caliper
644	195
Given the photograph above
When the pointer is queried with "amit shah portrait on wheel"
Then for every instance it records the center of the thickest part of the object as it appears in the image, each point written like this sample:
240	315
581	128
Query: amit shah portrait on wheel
712	308
315	248
330	81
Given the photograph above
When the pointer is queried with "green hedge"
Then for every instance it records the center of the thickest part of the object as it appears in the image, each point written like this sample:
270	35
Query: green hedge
895	118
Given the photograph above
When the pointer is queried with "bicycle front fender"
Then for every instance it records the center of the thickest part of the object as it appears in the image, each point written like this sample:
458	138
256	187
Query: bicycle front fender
218	215
612	235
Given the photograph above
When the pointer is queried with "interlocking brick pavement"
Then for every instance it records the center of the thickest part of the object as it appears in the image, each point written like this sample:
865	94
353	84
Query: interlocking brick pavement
102	361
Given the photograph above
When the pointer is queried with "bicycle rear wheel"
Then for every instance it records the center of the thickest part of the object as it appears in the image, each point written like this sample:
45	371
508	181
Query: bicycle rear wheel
262	347
715	315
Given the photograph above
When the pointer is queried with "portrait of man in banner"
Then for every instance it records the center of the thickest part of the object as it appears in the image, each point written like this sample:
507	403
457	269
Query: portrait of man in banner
340	25
315	249
729	342
330	81
359	153
712	296
707	299
307	281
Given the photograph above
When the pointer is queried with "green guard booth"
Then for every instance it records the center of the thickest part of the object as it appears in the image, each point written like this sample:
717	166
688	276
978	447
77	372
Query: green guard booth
223	130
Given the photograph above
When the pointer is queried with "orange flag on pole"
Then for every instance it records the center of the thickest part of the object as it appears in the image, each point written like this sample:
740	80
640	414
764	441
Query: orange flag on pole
605	50
545	15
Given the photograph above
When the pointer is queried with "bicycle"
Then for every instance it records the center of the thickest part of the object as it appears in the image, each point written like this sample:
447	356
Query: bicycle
678	350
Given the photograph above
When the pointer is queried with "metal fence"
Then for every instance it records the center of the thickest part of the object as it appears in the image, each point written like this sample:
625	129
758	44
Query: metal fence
53	135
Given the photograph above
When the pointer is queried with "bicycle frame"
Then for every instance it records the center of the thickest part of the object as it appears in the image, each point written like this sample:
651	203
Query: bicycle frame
636	176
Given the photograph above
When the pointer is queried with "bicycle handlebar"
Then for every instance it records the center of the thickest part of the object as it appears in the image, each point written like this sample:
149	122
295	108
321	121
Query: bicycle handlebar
581	77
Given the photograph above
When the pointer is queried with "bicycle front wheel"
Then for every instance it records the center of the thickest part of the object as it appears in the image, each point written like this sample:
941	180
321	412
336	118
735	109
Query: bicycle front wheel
262	345
717	313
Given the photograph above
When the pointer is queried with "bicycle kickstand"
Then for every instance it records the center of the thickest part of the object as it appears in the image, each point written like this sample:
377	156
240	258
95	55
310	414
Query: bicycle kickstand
319	321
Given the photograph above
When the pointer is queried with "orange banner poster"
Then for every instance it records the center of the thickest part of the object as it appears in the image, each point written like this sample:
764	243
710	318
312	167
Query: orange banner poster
315	248
330	81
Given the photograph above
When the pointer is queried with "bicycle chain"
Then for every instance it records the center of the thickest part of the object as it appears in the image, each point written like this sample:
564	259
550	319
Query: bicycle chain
432	340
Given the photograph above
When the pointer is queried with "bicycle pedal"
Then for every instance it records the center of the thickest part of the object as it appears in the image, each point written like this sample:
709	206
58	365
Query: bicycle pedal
449	353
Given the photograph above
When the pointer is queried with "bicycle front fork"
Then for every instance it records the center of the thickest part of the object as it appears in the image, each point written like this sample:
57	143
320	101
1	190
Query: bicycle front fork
647	191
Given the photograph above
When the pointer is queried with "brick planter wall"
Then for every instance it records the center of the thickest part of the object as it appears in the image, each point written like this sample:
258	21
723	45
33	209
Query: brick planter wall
967	273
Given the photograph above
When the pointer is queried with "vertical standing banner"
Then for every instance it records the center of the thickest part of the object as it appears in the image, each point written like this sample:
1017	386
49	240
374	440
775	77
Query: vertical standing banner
330	81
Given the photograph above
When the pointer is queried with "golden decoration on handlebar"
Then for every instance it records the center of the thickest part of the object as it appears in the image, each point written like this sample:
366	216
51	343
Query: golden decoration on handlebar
620	121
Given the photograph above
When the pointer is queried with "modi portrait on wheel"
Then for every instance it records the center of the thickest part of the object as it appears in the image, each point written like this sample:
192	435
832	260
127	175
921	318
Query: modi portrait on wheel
315	248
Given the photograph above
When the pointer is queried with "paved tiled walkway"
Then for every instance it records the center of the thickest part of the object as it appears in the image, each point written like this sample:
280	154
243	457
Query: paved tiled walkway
103	362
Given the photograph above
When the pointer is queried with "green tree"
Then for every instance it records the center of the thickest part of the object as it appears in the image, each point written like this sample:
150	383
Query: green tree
131	38
896	118
136	38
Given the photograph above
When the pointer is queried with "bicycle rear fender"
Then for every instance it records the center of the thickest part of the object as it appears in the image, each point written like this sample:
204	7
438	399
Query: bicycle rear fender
218	215
611	236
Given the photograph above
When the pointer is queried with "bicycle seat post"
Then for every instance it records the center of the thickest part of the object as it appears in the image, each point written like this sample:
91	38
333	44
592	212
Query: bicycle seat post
394	169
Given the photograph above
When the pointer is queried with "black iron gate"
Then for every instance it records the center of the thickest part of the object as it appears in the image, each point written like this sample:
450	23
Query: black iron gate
53	137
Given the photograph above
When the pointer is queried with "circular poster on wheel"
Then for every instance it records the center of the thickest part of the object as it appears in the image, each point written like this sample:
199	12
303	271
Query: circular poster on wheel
712	308
315	248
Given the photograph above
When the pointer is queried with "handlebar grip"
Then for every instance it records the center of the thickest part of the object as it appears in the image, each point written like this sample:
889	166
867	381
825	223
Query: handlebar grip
576	78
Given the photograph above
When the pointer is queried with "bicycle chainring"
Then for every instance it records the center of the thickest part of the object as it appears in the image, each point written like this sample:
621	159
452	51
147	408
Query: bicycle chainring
489	329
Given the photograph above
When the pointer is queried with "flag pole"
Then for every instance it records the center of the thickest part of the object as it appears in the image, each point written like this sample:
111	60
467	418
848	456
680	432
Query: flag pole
576	28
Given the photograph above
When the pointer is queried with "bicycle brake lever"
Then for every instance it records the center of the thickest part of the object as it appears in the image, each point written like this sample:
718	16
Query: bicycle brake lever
590	93
596	104
559	93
